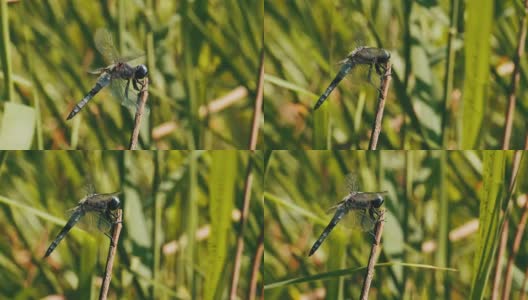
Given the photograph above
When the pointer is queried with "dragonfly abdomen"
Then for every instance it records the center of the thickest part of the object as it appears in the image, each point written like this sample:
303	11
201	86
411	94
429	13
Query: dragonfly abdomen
103	81
337	217
69	225
345	69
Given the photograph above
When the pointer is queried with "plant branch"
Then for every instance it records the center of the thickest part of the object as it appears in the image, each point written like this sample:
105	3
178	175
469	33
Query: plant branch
240	238
257	111
505	226
384	88
116	231
372	259
515	79
515	249
256	267
143	97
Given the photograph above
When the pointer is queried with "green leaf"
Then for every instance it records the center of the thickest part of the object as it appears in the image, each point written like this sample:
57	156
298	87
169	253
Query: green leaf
18	127
348	272
477	54
489	220
222	195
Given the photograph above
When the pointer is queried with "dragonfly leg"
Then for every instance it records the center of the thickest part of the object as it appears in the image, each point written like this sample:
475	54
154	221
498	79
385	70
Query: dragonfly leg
135	83
126	88
373	237
114	218
111	238
371	66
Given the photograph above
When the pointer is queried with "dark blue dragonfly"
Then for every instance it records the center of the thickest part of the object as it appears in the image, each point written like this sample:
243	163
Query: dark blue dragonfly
98	207
361	208
374	57
118	75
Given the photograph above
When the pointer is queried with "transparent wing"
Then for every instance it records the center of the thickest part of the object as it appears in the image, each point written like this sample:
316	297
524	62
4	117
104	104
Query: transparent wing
86	222
368	196
350	183
105	44
119	87
89	188
348	220
94	222
362	220
131	57
104	224
100	197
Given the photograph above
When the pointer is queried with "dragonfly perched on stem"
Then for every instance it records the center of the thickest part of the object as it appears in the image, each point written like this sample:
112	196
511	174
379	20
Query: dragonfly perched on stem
118	75
360	207
99	206
373	57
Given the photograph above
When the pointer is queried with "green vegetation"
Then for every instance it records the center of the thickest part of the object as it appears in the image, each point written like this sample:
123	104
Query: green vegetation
180	224
197	53
444	213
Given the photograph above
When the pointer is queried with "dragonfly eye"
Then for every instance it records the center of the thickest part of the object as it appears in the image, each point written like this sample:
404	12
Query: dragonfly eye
141	72
114	203
378	201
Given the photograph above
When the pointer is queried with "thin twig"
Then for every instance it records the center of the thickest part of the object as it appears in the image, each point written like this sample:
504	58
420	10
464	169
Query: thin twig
224	102
515	78
498	266
240	238
143	97
384	87
111	254
372	259
257	111
505	226
256	267
450	68
523	288
515	249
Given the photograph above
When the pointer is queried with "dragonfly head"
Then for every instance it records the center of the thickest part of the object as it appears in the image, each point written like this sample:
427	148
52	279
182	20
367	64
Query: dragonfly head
141	72
378	201
114	203
385	55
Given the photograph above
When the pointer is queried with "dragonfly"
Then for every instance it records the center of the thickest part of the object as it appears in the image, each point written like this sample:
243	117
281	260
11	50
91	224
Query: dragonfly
363	208
119	74
374	57
100	206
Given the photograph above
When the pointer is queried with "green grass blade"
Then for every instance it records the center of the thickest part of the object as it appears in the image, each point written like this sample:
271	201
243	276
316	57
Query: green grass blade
5	53
221	195
18	126
476	82
346	272
489	220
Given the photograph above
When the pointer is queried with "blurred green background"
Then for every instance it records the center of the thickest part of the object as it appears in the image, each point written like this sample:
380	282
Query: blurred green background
435	203
202	57
447	92
180	224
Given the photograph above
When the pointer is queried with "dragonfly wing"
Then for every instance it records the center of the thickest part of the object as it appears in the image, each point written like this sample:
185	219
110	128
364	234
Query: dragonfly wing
128	99
100	197
104	222
131	57
89	188
362	220
350	183
105	44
